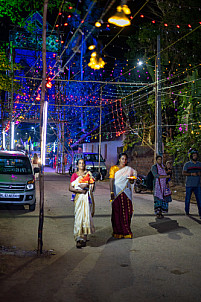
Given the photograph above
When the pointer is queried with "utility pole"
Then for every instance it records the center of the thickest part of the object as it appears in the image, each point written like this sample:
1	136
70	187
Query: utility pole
41	174
158	118
100	124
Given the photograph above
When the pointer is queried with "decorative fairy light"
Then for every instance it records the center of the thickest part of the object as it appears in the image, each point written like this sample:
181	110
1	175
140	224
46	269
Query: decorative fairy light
98	24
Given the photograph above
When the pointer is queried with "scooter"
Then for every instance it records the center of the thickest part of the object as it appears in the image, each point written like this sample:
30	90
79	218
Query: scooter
140	184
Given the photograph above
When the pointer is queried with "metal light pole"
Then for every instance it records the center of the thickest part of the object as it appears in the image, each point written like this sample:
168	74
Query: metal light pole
158	118
99	147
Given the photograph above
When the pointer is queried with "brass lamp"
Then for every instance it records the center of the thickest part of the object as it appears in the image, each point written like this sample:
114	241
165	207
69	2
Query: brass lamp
96	62
120	18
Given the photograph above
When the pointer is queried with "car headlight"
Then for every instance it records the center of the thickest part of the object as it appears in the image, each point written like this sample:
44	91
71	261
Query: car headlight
30	185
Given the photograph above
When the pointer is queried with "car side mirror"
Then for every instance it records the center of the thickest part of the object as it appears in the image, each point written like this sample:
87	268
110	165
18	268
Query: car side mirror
36	170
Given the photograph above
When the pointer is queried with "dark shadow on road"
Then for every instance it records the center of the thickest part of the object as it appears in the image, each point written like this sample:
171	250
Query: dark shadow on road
166	225
100	237
195	219
111	276
47	279
19	268
13	209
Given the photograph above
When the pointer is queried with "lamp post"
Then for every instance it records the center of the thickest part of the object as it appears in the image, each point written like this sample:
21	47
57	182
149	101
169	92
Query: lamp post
100	124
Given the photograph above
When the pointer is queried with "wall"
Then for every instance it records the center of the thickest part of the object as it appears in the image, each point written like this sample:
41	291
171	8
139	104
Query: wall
142	158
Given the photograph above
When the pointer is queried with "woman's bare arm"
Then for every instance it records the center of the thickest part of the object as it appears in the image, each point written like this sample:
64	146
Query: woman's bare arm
112	188
72	189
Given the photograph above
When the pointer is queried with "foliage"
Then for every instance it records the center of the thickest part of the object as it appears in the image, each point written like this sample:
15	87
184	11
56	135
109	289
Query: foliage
188	132
18	10
180	51
5	79
131	139
183	142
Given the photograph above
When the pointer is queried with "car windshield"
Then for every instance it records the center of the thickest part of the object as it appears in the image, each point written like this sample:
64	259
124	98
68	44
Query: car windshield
93	157
15	165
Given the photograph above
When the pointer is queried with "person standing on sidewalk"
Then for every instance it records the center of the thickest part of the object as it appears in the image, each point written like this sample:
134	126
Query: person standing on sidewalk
192	171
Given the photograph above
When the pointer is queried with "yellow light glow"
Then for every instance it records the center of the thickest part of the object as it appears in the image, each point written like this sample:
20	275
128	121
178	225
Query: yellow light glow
98	24
93	55
96	63
120	18
126	10
91	47
121	21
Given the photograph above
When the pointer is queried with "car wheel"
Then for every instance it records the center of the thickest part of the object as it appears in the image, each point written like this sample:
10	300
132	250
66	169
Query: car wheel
32	207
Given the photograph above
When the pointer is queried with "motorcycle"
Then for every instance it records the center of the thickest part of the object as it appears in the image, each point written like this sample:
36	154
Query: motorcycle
140	184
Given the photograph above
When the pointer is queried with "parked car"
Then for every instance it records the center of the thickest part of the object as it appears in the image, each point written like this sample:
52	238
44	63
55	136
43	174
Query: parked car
92	164
17	181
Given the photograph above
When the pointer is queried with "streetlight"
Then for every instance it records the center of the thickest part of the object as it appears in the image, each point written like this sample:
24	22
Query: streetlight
139	63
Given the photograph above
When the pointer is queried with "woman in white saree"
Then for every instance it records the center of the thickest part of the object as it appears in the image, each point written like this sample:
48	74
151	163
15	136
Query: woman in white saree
121	197
84	205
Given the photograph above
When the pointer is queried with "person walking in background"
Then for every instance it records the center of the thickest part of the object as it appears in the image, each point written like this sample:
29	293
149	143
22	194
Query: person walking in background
82	184
121	197
162	195
35	163
192	171
168	170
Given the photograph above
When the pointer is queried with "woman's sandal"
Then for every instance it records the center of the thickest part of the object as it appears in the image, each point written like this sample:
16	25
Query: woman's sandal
159	216
83	243
79	244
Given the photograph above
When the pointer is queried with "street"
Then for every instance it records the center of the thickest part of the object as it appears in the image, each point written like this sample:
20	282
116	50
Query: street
161	263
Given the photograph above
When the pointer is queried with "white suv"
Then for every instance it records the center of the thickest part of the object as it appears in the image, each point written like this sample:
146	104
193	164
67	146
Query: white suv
92	163
17	181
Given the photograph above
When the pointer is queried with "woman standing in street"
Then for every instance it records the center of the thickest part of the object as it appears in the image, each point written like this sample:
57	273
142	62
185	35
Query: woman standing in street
84	204
162	194
121	197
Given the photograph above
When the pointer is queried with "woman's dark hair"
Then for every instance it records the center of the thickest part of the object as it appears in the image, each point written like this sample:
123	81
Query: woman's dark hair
158	157
120	155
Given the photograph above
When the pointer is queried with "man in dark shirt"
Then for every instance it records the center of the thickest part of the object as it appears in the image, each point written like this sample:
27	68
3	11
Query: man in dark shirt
192	171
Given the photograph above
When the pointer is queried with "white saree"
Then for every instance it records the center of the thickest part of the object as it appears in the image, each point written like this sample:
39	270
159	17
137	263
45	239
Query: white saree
83	224
121	182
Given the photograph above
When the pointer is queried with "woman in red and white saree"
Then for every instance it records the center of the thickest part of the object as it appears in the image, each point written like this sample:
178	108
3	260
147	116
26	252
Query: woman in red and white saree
121	177
81	184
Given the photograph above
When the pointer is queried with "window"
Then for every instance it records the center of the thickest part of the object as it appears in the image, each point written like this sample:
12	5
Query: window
15	165
93	157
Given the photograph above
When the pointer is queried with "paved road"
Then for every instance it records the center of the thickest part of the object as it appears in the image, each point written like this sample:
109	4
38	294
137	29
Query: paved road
161	263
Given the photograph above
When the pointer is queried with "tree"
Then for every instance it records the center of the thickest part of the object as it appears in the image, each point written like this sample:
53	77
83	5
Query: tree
5	73
178	26
17	10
